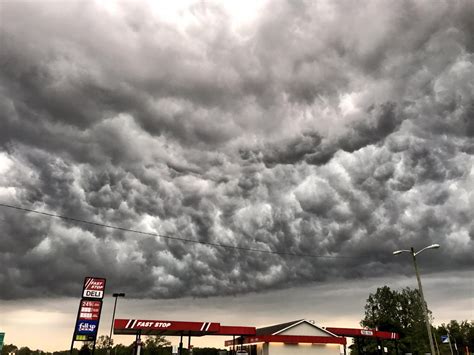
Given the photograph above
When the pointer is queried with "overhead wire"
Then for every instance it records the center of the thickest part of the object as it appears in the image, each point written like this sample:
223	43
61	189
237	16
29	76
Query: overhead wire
169	237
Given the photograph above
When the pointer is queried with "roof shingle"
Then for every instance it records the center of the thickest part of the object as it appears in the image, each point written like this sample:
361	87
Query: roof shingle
272	329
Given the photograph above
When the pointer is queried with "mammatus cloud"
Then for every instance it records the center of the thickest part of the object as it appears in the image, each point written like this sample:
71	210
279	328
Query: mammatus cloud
316	128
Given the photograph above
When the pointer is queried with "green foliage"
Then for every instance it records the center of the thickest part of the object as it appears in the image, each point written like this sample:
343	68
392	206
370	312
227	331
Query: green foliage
85	349
157	341
461	334
122	349
25	351
400	312
104	342
206	351
9	349
156	345
152	345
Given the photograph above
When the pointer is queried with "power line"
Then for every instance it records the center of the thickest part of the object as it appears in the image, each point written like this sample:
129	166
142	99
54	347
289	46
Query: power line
185	240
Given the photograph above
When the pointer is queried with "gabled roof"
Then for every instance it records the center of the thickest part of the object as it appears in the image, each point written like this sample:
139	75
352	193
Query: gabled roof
274	329
279	328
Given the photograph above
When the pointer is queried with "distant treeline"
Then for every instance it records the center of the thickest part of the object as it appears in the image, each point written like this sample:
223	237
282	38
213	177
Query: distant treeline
116	350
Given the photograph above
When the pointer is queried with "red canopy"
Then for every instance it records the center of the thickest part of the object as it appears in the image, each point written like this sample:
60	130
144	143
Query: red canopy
167	327
356	332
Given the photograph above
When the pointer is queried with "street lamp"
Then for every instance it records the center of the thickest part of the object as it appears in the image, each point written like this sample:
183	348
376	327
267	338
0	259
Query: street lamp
425	311
116	295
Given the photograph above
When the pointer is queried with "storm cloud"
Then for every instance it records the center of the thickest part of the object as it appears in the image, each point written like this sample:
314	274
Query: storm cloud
337	129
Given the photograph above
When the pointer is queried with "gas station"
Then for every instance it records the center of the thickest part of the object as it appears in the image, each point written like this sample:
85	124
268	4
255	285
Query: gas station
299	337
296	337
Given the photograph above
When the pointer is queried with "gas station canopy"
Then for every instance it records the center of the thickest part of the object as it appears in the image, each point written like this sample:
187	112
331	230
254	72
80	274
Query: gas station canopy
167	327
356	333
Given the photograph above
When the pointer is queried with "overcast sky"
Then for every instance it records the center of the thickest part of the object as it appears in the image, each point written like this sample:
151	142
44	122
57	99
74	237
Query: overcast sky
339	129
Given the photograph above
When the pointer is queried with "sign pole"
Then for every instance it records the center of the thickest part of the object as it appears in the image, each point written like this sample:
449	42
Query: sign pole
450	346
435	337
74	332
139	342
98	322
180	352
88	314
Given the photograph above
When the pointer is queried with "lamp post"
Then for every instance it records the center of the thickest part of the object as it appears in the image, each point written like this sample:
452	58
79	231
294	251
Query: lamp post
116	295
423	303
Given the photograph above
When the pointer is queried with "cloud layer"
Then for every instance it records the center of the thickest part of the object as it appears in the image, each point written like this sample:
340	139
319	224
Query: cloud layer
309	127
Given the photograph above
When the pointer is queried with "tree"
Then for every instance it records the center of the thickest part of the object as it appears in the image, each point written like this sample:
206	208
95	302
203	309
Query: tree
9	349
461	334
400	312
104	342
206	351
120	349
85	349
156	345
156	341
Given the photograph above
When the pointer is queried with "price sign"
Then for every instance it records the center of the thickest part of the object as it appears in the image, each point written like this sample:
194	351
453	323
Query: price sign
90	310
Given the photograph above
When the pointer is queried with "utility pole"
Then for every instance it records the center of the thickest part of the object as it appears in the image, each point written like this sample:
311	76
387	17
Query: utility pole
425	311
423	303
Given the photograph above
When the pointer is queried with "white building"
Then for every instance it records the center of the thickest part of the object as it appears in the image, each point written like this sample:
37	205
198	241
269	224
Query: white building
299	337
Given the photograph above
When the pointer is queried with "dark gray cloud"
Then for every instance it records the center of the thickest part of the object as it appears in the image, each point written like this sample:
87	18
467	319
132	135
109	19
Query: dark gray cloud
323	128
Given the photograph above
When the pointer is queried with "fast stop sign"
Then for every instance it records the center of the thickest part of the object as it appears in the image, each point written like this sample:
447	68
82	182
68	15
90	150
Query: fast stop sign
93	288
